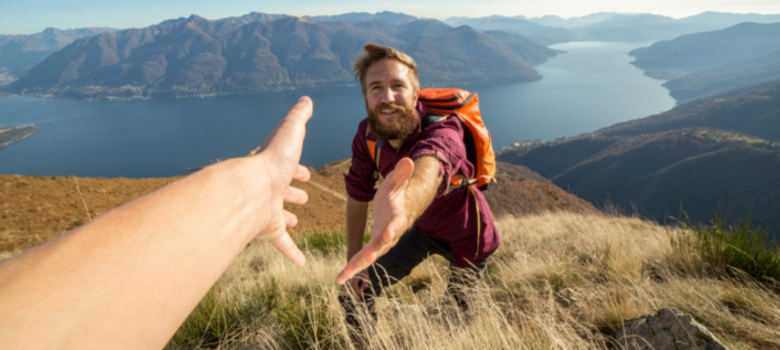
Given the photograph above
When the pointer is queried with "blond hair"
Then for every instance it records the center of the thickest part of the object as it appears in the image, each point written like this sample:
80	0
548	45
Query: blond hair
373	53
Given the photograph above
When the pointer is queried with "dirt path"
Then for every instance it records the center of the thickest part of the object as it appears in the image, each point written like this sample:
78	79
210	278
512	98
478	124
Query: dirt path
328	190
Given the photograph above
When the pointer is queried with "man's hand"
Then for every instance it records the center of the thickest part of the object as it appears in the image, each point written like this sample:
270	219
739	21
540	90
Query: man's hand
391	219
279	156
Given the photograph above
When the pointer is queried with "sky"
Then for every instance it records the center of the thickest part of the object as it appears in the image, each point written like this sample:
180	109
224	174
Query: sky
30	16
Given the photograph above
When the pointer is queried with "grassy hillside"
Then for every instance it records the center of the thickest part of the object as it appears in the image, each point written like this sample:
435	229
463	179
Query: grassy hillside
35	209
559	280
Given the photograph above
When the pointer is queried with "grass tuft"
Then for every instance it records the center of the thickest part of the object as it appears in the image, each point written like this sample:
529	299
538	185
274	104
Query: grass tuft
734	249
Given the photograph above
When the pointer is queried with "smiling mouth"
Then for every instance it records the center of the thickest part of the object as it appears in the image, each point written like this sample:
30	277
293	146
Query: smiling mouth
389	111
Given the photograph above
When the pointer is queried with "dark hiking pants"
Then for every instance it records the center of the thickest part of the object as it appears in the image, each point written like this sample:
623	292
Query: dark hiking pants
411	249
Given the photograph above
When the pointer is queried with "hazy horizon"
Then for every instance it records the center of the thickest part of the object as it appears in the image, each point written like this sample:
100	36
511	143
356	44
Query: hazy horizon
34	16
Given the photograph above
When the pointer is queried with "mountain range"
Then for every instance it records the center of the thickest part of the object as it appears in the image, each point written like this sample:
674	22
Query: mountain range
356	17
708	50
708	157
195	56
608	26
709	63
540	33
19	53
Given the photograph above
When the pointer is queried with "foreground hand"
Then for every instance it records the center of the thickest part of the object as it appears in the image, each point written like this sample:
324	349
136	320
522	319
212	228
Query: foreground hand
390	220
280	154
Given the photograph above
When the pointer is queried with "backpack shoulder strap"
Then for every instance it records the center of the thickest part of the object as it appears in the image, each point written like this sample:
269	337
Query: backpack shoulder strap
432	119
375	150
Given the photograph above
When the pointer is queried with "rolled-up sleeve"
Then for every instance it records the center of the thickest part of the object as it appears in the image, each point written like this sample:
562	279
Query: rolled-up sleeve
444	141
360	179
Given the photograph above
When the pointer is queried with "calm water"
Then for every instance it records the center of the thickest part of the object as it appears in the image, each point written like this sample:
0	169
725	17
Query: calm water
589	87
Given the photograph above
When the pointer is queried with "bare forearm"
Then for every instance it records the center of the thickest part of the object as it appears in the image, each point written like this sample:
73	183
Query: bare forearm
357	212
422	186
186	221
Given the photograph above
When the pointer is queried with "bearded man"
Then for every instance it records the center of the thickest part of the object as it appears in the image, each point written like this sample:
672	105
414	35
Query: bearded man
416	211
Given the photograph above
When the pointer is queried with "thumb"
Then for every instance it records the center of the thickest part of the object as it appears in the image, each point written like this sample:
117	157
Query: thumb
289	133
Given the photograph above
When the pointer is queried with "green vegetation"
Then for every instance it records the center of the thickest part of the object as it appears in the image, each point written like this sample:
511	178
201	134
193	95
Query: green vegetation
717	135
562	280
324	242
734	248
220	320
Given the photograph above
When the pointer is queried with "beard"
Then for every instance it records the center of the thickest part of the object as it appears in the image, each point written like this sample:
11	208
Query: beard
399	129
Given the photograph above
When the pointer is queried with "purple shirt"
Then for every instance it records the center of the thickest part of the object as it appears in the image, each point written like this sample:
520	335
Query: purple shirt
459	215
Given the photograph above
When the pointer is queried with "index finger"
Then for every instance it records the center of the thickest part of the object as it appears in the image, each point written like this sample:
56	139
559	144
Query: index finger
289	133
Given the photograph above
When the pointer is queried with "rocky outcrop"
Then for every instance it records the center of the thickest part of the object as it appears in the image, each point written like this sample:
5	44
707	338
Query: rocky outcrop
668	329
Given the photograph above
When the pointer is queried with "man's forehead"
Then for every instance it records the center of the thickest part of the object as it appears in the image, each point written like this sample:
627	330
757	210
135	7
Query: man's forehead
387	68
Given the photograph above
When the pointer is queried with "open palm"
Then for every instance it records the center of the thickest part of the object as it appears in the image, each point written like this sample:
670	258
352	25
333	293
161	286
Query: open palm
390	220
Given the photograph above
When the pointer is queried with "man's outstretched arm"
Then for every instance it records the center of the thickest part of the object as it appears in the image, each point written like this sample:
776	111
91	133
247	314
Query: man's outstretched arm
130	278
403	196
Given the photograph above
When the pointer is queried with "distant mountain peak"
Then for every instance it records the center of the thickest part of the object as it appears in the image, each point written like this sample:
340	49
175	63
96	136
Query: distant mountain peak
258	52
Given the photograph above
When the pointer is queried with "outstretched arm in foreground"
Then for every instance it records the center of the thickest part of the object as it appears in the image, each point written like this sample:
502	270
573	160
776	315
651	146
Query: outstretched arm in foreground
403	196
131	277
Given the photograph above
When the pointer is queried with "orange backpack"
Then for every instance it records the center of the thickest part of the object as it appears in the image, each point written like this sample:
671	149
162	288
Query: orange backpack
442	103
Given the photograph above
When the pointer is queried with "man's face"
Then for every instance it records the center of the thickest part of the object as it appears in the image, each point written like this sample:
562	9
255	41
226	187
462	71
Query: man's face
391	100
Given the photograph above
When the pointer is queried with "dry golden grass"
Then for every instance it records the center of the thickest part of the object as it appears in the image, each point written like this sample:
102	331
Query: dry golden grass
35	209
558	281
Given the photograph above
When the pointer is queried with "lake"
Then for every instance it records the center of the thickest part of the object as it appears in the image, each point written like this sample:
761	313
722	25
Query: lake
589	87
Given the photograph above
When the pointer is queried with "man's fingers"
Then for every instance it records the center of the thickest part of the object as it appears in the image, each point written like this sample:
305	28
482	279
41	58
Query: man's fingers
290	220
385	237
354	265
287	247
345	274
363	259
287	138
296	196
302	173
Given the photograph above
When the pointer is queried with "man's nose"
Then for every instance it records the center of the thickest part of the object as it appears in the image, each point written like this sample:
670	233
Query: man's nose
387	95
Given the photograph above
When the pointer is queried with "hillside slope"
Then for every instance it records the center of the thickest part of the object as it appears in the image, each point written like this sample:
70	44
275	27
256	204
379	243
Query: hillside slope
35	209
755	112
731	77
700	51
702	171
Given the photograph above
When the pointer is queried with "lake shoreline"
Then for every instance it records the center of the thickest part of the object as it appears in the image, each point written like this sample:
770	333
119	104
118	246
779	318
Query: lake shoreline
590	87
10	135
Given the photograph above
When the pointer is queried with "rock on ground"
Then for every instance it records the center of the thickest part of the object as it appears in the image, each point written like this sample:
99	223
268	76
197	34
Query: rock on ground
668	329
